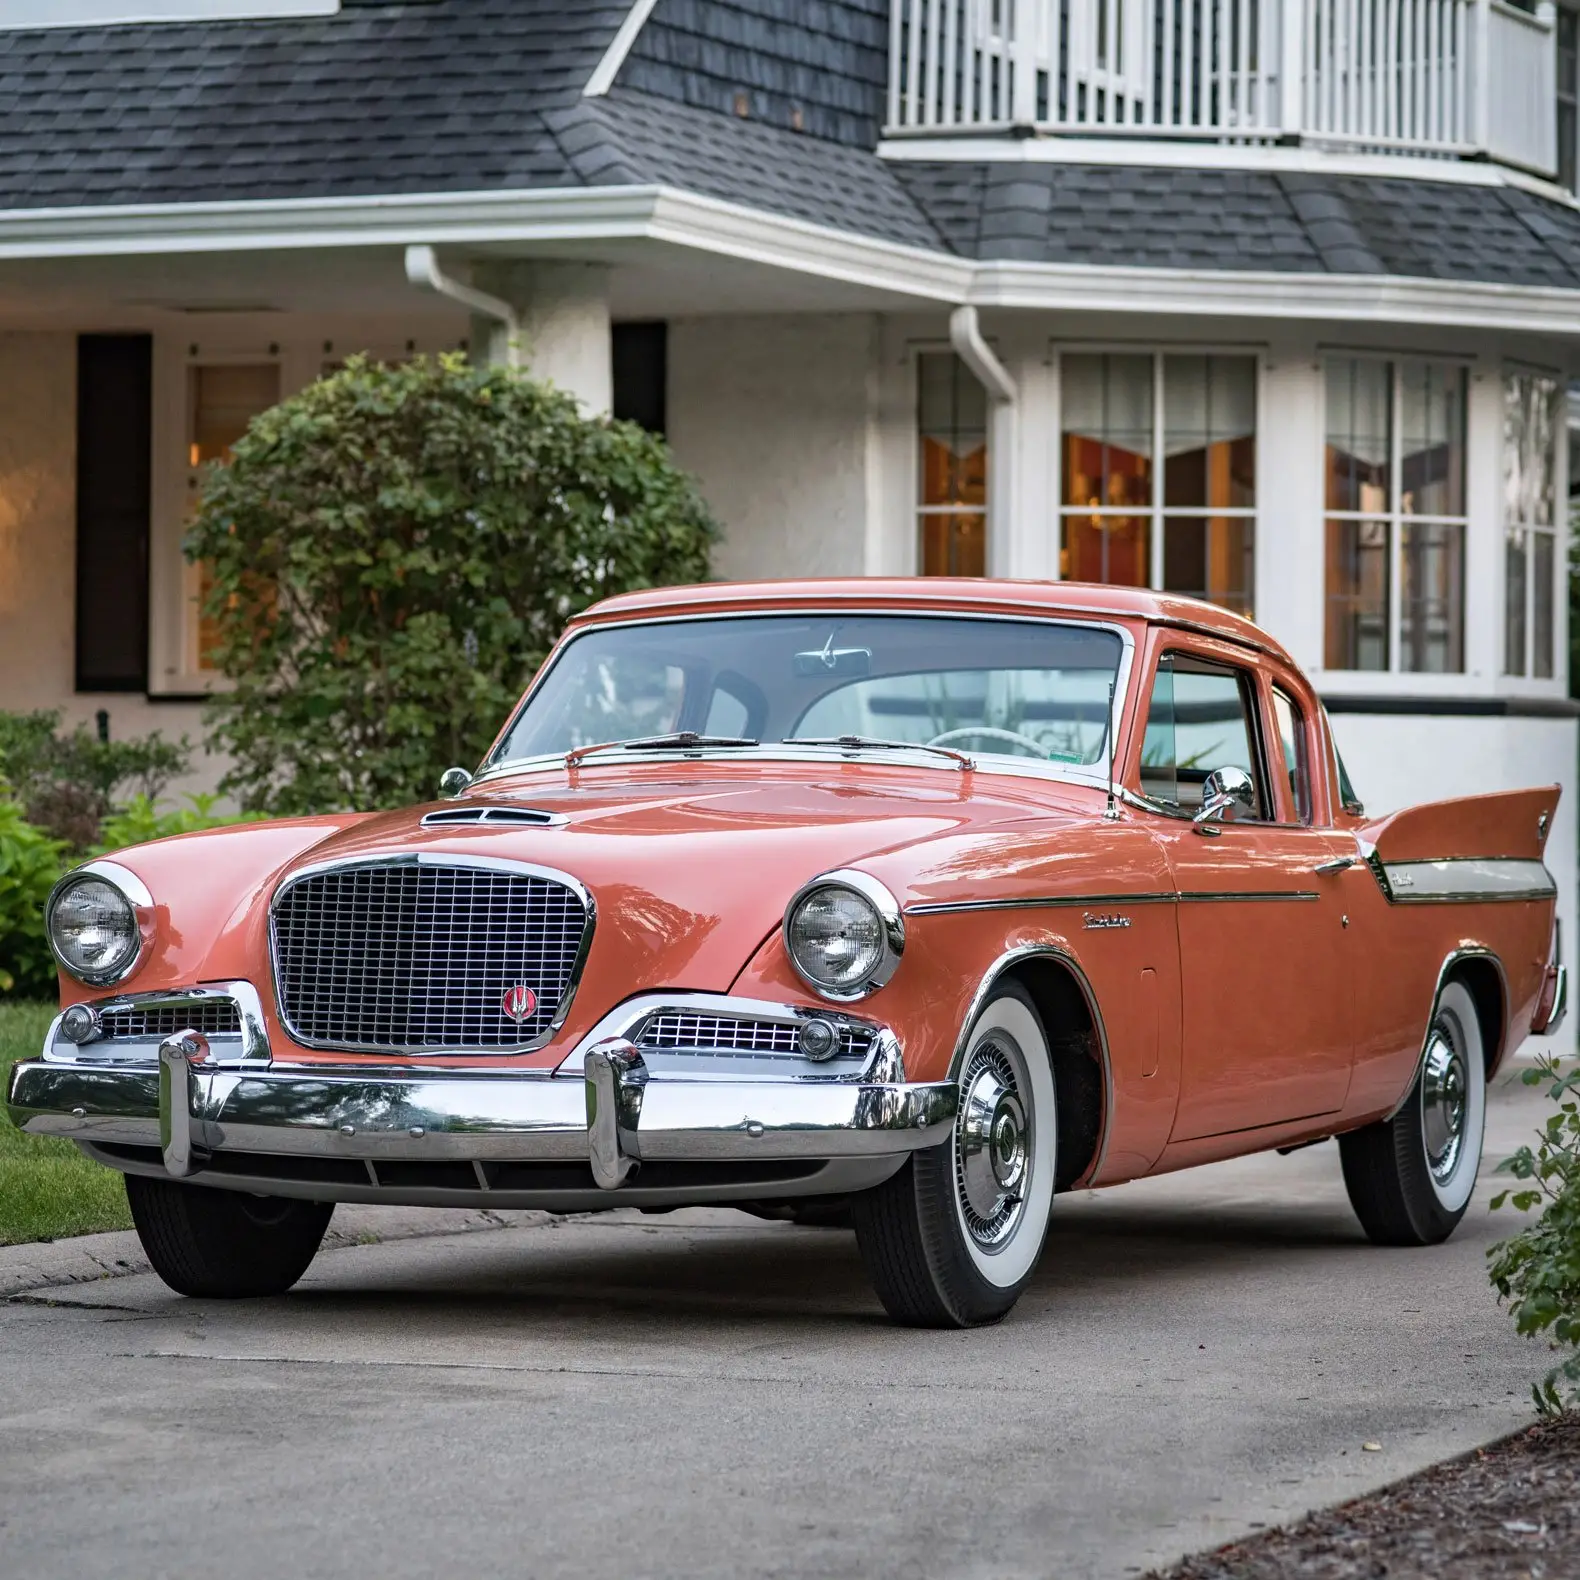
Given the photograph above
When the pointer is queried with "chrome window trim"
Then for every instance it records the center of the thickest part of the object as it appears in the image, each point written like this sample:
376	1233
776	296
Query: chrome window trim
253	1038
1005	962
1089	774
434	858
132	889
889	913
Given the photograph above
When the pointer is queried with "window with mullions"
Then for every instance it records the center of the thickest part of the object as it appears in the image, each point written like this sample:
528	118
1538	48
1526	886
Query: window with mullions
1159	473
1530	522
1395	487
952	447
1568	83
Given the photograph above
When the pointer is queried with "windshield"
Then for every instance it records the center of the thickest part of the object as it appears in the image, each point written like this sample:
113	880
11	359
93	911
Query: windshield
1010	688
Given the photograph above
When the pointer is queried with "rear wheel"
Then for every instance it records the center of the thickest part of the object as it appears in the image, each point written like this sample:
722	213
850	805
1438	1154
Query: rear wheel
221	1244
953	1238
1410	1177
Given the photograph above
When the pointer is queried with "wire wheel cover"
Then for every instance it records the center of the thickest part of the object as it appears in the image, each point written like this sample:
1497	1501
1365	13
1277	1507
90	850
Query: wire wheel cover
1444	1099
993	1143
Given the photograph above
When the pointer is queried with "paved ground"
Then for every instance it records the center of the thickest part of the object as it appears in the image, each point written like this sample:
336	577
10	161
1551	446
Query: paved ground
706	1395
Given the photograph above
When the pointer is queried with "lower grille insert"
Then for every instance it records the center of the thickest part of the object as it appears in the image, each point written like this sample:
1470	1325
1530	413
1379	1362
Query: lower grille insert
214	1018
682	1031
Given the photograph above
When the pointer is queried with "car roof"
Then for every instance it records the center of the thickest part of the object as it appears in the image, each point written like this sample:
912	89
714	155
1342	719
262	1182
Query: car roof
1089	599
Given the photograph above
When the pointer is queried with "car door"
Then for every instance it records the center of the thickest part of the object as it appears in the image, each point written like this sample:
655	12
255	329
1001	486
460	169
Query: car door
1265	1012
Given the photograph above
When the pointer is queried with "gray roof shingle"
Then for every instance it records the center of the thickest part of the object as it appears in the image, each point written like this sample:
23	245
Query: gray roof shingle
475	95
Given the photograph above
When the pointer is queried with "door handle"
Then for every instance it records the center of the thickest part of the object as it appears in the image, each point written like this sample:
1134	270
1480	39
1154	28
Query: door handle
1338	864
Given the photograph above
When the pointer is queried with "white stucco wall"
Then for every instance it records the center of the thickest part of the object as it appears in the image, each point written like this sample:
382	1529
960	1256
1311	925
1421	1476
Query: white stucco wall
775	417
38	448
1396	761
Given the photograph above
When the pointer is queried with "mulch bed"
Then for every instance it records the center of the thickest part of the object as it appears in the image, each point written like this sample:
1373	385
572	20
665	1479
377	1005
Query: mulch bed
1505	1512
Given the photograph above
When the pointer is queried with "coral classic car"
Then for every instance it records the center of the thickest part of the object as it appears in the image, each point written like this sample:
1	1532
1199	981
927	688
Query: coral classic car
919	902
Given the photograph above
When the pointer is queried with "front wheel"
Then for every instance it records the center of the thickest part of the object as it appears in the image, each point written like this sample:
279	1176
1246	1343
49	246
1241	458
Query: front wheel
221	1244
1410	1177
953	1238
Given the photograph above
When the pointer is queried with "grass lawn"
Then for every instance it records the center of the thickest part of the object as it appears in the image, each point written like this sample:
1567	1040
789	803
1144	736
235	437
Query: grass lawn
48	1189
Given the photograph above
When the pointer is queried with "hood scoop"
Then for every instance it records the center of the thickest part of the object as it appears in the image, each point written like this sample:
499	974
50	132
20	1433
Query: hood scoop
492	816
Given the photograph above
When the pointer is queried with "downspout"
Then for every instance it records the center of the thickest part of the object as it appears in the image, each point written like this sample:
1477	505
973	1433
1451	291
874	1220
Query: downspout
423	271
965	335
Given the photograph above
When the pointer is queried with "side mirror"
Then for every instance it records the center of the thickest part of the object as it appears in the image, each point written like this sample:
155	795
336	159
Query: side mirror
452	782
1227	794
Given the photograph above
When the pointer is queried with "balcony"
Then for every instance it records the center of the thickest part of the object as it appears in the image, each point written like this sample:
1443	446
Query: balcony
1434	79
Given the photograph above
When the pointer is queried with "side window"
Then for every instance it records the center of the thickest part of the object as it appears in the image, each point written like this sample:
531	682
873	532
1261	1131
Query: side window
1292	741
1199	718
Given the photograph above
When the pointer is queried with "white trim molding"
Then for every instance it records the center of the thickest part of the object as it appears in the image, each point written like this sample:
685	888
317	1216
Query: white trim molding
607	69
551	217
26	15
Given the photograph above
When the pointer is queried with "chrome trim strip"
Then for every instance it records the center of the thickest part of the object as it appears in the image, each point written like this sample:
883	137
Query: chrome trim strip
433	858
1060	901
132	889
1011	958
1494	1055
250	1047
467	815
1455	879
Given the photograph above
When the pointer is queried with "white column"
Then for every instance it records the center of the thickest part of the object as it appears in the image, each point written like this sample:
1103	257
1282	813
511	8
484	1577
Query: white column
564	310
1484	534
1030	542
1290	565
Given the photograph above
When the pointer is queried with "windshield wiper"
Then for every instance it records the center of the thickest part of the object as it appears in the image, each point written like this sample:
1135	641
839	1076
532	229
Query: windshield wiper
678	740
874	743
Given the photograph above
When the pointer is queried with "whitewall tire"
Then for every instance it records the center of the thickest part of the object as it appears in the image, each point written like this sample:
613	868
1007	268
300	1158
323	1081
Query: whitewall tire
953	1238
1410	1178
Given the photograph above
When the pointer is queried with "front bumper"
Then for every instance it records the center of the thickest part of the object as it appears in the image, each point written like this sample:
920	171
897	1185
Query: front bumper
612	1130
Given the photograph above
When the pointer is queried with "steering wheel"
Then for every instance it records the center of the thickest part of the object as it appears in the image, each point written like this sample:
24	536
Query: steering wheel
991	732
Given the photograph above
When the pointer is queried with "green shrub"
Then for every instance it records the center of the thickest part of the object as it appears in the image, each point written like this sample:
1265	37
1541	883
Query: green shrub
1537	1271
30	862
393	550
140	820
68	784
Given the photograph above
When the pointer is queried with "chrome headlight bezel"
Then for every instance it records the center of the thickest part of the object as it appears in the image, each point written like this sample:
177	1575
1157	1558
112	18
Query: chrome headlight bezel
891	922
139	902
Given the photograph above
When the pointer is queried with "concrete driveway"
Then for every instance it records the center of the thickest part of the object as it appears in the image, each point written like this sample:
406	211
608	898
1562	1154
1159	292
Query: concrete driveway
706	1395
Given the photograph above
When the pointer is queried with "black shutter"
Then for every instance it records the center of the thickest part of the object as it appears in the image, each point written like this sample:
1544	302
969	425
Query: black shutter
640	354
114	437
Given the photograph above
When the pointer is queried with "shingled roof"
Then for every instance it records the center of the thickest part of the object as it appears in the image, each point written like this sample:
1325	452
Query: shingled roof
771	104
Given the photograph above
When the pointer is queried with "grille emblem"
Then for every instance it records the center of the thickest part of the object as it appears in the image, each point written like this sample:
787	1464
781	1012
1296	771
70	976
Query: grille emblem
519	1002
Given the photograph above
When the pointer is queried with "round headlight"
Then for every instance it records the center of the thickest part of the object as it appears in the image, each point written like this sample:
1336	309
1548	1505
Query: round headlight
93	929
844	935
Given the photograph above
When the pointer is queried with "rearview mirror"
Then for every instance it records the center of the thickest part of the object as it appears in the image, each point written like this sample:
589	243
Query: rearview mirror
1226	794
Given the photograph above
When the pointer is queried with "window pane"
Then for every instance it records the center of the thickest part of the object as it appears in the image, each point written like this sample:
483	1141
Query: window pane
1197	721
1106	403
1211	557
1432	448
1107	549
1542	557
1357	595
1292	737
1209	431
1514	601
952	419
1360	431
1432	601
954	543
221	401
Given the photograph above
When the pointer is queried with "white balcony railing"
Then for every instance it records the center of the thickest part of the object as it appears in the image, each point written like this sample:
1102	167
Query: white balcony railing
1446	78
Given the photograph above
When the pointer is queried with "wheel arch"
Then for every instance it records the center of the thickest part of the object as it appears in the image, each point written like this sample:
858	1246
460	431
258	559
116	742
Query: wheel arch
1482	973
1072	1023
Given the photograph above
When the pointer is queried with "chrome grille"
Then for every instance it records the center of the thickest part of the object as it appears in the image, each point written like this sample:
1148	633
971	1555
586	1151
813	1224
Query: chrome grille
413	955
213	1019
683	1031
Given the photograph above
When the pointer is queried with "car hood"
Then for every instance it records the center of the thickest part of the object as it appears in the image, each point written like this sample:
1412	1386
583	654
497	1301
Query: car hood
693	867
